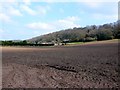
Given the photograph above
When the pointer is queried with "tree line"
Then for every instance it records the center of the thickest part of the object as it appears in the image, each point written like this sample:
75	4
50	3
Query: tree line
21	43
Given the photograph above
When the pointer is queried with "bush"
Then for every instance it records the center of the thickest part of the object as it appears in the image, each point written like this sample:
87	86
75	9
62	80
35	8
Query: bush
104	34
88	39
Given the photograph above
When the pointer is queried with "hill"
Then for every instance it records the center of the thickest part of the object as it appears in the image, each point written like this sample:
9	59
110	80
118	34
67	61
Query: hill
81	34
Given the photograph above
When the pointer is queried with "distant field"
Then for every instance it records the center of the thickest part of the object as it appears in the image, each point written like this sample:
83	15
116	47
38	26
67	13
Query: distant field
93	64
94	42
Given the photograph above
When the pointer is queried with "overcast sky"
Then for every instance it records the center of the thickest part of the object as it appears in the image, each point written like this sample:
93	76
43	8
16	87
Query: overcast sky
26	19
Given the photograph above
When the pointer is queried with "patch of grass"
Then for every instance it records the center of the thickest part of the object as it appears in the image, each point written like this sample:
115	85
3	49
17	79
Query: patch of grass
75	43
95	42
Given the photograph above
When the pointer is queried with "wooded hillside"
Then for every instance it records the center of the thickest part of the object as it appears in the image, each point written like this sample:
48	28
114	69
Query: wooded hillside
82	34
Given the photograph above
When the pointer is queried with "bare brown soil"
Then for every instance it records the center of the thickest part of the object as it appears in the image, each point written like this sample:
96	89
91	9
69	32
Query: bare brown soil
82	66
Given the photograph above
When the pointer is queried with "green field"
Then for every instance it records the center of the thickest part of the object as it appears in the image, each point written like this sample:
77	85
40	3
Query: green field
94	42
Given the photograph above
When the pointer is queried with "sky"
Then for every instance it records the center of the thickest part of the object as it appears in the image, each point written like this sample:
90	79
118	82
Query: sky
20	20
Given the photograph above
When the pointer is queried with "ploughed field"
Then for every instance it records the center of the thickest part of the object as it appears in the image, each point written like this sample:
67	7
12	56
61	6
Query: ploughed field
80	66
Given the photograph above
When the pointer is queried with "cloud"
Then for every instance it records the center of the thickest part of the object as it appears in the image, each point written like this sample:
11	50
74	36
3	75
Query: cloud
10	8
28	10
7	11
60	24
98	3
14	12
72	18
68	22
5	18
48	27
43	9
93	4
27	2
38	10
40	26
8	1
